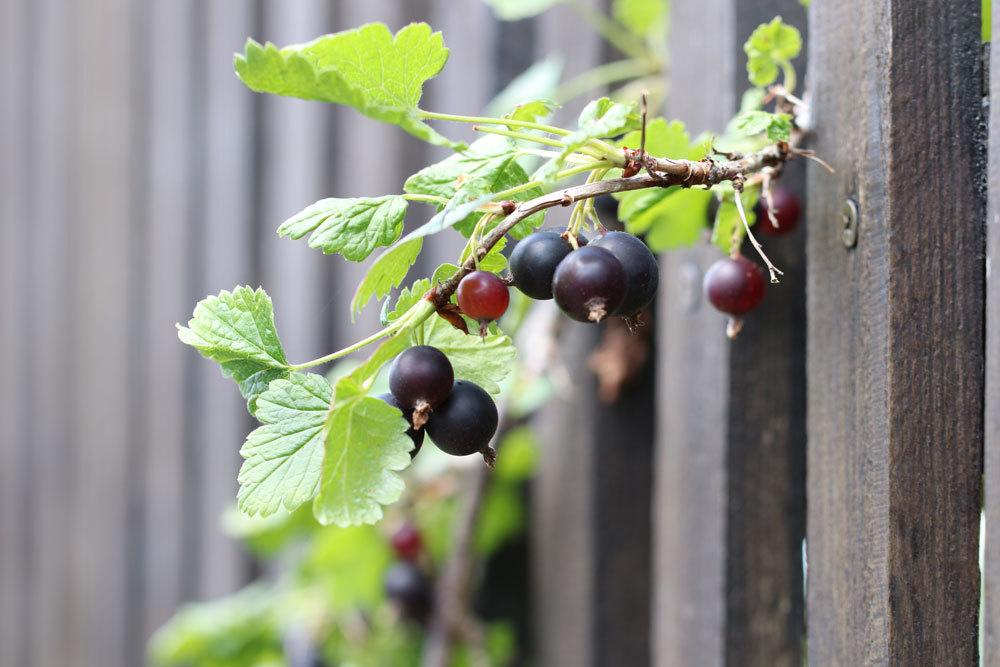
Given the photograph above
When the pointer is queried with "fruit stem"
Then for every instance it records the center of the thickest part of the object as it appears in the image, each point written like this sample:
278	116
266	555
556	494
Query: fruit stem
772	269
416	315
521	136
486	120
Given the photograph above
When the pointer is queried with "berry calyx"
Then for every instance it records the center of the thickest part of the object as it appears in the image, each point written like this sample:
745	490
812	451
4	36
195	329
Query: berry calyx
590	284
484	297
408	588
641	270
466	422
534	260
735	285
421	379
787	209
417	436
406	542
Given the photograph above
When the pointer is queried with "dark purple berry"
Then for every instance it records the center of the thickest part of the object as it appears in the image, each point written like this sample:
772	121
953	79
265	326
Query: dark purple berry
735	285
416	435
466	422
590	284
534	260
641	270
406	585
483	296
406	542
421	378
787	210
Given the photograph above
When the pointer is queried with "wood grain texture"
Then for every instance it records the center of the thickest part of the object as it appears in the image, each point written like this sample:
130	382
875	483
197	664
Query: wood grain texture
895	335
730	459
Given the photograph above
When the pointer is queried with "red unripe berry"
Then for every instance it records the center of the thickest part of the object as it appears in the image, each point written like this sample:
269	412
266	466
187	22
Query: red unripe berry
735	285
406	542
787	210
483	296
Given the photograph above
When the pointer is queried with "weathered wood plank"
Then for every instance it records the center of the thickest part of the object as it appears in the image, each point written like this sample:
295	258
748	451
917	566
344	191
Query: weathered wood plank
164	266
895	334
224	120
14	208
102	326
49	259
294	163
591	509
730	463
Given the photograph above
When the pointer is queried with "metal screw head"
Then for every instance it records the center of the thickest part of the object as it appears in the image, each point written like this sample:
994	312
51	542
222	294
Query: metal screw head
849	216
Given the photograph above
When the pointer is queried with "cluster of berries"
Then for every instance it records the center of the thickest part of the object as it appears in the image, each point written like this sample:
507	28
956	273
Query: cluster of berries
460	416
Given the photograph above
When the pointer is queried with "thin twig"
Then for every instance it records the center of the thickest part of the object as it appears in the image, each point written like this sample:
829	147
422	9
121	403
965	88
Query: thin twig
660	172
772	269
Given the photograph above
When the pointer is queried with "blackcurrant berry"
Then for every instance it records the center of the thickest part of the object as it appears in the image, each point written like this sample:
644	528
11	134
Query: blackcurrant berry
483	296
534	260
421	378
416	435
466	422
590	284
641	269
735	285
406	585
787	209
406	542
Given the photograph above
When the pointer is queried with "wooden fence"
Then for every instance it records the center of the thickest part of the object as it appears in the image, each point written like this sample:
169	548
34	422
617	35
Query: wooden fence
137	175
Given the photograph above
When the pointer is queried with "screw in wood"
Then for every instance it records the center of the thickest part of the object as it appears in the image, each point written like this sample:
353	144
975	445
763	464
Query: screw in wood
849	216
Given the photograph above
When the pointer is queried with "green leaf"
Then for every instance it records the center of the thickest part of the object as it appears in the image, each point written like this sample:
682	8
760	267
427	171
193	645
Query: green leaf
532	111
367	68
777	125
601	118
676	221
351	227
488	166
769	47
237	330
513	10
540	81
284	456
392	265
642	17
387	272
366	442
485	361
239	629
348	566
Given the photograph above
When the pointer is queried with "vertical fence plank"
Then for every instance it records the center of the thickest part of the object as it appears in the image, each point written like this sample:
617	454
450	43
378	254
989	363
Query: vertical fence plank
14	519
730	464
991	570
591	535
225	229
102	326
293	163
163	266
48	235
896	334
